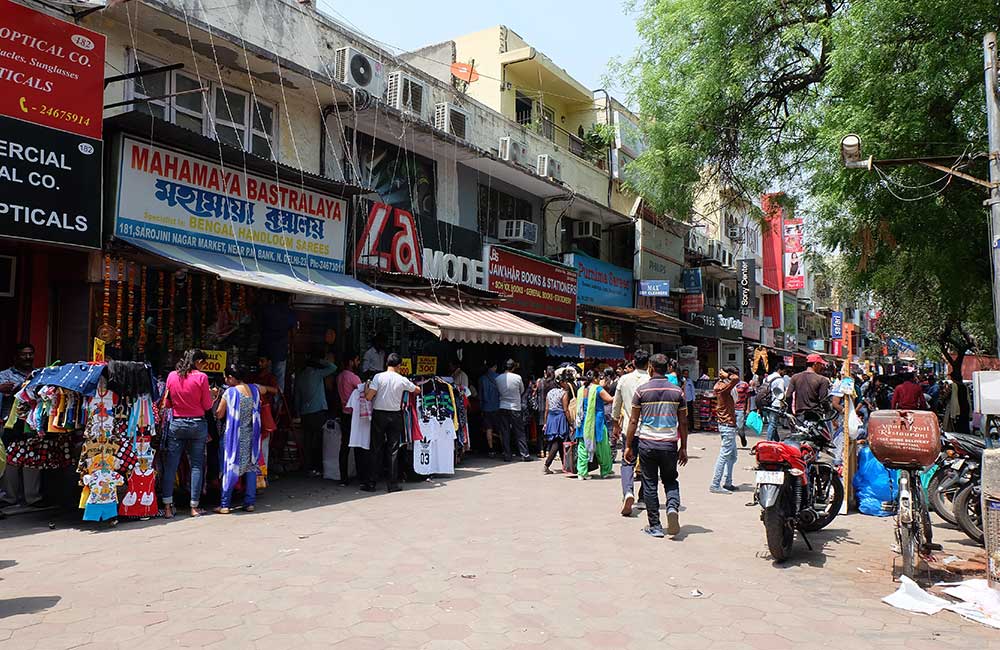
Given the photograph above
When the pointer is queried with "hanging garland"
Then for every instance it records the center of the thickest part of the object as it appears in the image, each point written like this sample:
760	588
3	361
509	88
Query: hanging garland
130	318
189	329
227	299
119	301
104	332
141	348
161	281
172	309
242	305
204	304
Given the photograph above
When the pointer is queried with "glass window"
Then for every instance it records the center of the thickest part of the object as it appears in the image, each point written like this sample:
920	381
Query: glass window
260	146
264	119
495	206
229	135
191	100
230	106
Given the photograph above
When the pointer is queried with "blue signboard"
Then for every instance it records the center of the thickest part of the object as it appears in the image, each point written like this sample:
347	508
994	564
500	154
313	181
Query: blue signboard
837	325
691	279
654	288
600	283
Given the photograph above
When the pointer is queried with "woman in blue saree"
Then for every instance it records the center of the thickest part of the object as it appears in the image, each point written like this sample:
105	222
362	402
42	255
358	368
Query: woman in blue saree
240	445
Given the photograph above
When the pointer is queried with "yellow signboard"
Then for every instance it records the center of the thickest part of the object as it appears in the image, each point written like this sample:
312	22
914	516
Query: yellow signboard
406	367
216	362
427	365
99	349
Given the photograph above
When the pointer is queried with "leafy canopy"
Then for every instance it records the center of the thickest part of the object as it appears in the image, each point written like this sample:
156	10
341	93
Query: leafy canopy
762	91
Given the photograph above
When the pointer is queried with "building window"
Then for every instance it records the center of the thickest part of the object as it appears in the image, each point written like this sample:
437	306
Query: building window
496	206
237	120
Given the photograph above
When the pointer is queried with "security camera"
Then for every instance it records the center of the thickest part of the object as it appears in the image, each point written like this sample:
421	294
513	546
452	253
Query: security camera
850	153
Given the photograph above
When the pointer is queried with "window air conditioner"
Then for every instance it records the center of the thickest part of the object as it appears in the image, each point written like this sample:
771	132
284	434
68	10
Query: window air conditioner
451	119
587	230
518	230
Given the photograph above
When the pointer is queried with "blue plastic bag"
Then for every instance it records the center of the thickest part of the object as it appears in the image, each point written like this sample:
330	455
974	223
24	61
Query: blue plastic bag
755	422
874	485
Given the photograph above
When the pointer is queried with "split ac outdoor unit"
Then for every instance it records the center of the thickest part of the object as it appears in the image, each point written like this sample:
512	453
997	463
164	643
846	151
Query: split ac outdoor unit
587	230
358	70
735	233
513	151
695	243
727	259
549	167
405	93
715	250
518	230
451	119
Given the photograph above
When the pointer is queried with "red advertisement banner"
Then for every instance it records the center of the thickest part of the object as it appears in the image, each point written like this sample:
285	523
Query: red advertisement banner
51	71
534	286
693	303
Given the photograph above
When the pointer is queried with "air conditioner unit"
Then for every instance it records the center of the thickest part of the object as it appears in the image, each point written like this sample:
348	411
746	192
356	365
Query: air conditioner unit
696	243
513	151
715	250
587	230
358	70
549	167
727	259
518	230
451	119
735	233
405	93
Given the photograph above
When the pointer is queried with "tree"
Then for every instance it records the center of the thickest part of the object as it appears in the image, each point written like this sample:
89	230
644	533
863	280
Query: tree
763	91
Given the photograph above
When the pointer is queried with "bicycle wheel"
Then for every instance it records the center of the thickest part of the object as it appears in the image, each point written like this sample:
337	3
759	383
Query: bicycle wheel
909	547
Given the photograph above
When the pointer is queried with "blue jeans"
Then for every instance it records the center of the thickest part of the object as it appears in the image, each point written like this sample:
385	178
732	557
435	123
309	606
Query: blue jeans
627	468
772	425
249	496
727	456
741	420
185	434
659	465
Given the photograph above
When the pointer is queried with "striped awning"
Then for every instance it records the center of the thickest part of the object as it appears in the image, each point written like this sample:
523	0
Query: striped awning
471	323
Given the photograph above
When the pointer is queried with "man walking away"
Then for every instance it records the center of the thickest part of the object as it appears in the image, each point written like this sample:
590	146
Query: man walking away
909	395
511	387
689	398
657	416
621	411
489	404
725	415
385	392
772	395
808	390
310	402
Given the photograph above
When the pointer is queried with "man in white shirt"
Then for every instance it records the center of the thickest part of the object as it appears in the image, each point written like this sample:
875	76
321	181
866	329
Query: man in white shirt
621	409
511	387
385	392
374	359
777	384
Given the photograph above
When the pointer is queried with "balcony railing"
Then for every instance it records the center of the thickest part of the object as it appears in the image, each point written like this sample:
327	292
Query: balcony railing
558	135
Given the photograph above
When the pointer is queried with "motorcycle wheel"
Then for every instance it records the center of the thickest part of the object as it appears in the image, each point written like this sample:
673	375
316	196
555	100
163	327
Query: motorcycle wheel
942	503
780	534
968	513
909	548
827	509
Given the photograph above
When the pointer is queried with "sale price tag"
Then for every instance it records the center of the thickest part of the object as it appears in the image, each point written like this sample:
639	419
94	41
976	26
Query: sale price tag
406	367
216	361
427	365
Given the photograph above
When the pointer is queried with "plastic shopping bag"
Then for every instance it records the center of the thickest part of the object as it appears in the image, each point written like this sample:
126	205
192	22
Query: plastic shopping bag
854	423
331	450
755	422
874	485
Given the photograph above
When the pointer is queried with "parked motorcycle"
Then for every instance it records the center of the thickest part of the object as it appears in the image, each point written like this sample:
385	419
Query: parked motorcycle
959	460
968	510
797	486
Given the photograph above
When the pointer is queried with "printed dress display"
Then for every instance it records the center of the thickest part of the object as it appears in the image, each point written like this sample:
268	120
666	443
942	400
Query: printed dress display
140	498
102	503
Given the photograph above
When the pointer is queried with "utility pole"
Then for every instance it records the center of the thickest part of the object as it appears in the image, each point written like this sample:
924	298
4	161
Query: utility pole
993	127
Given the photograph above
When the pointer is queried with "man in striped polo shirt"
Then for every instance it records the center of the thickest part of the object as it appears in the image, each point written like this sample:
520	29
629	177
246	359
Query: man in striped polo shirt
659	418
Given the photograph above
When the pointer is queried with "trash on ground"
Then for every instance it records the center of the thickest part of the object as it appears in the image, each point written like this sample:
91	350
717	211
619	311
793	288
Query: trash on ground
977	601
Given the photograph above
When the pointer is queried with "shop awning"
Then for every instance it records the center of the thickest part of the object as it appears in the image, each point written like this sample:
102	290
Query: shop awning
579	347
269	275
471	323
644	316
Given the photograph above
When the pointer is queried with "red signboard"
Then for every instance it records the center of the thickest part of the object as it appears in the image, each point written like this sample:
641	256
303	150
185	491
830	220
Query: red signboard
534	286
51	71
693	303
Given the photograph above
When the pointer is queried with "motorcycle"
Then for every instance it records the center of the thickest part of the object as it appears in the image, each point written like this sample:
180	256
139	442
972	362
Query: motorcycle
968	509
957	464
797	486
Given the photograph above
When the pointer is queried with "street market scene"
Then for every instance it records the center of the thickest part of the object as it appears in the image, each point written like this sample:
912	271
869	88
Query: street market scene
374	326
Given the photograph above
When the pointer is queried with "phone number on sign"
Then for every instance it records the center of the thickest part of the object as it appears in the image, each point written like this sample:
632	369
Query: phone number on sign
57	113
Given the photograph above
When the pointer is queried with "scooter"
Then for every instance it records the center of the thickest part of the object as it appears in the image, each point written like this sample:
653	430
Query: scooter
961	454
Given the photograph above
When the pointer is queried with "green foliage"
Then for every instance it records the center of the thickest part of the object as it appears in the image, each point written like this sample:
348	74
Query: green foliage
596	142
763	91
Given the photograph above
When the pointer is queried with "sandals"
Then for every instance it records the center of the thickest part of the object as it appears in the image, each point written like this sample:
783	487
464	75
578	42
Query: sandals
249	508
169	511
219	510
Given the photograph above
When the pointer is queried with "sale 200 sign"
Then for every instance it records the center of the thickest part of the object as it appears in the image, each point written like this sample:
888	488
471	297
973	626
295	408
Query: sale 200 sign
534	286
51	71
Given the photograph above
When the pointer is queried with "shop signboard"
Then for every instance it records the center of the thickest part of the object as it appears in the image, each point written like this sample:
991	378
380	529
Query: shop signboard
718	324
427	365
836	347
790	319
793	250
535	285
172	198
391	241
660	251
746	275
751	328
693	303
52	73
816	345
836	325
691	280
215	361
600	283
779	339
654	288
99	346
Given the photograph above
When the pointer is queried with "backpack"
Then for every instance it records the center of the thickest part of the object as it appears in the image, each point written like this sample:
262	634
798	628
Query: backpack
765	396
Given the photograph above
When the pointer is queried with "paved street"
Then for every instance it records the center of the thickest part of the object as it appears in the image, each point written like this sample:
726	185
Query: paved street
498	556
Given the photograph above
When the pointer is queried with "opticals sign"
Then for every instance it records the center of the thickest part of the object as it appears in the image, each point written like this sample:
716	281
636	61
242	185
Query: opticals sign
168	197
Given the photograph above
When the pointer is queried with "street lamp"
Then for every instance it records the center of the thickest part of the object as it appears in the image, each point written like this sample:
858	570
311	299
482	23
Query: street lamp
850	153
